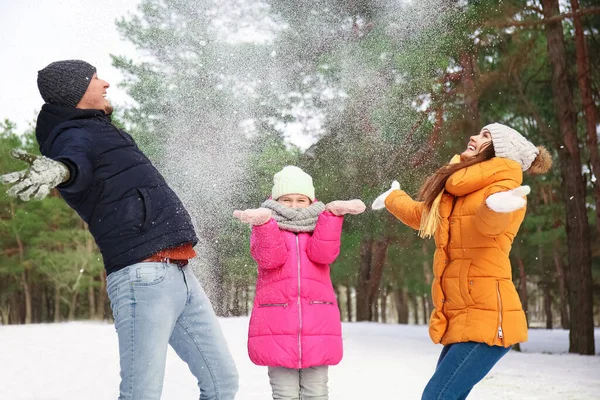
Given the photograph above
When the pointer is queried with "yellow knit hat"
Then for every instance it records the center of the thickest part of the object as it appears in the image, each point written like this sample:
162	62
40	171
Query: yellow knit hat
292	180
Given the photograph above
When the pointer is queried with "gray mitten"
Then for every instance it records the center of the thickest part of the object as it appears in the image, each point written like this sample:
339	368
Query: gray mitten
43	175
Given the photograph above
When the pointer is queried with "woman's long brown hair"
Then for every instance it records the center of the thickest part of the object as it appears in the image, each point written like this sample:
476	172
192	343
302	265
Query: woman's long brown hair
436	182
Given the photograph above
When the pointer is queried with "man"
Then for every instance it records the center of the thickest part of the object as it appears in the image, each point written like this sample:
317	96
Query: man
144	233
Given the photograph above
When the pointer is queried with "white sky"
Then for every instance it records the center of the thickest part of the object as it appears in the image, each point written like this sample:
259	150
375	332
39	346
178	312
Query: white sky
34	33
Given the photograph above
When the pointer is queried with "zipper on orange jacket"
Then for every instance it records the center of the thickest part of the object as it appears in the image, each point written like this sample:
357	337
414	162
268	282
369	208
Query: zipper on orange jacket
499	334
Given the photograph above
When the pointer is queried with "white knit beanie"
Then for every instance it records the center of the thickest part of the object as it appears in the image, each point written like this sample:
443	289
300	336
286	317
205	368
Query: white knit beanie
292	180
510	144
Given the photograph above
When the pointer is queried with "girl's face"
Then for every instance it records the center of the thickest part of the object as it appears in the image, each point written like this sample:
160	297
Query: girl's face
294	200
477	144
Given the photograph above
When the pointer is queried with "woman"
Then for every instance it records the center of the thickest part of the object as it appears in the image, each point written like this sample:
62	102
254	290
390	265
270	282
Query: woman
473	207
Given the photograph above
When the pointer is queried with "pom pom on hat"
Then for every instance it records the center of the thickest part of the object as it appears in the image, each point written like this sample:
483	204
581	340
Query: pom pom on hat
542	163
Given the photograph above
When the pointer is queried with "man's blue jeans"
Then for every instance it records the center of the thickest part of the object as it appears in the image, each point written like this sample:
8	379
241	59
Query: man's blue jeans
460	367
159	304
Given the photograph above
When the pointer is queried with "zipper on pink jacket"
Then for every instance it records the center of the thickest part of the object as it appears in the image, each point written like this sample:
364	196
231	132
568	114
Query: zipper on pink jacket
299	307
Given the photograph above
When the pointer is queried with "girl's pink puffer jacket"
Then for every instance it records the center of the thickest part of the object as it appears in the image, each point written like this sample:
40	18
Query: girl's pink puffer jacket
295	320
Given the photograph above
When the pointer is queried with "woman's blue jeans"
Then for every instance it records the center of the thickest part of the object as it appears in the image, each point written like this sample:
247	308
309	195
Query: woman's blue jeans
460	367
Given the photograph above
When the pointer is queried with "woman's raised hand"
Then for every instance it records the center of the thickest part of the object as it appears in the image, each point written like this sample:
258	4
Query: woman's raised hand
379	202
509	201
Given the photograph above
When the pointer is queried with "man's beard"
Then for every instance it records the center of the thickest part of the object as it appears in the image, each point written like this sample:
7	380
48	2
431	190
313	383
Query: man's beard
108	109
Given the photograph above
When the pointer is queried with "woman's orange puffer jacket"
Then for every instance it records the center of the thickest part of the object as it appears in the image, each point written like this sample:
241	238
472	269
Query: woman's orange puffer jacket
473	294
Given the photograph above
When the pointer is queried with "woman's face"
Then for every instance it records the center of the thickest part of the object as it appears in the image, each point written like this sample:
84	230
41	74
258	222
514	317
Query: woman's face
294	200
477	144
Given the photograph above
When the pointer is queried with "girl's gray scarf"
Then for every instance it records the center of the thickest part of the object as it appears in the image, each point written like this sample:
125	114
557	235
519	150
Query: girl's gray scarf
295	219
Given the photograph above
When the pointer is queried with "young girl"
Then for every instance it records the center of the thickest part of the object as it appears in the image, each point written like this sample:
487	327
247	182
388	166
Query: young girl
295	326
473	207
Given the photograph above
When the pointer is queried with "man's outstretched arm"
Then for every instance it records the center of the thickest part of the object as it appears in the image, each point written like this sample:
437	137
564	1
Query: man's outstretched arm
37	180
69	164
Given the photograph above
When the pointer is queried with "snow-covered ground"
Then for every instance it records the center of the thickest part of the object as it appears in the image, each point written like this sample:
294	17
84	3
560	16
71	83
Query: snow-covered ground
80	361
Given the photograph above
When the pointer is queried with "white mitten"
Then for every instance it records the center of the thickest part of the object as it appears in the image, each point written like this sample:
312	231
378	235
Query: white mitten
343	207
509	201
43	175
379	202
257	216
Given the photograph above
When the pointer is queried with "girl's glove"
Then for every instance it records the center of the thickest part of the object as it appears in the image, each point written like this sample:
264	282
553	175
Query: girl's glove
343	207
379	202
253	216
43	175
511	200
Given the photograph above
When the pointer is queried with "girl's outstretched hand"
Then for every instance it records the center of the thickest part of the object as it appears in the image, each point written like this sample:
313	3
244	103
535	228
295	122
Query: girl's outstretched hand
379	202
343	207
509	201
253	216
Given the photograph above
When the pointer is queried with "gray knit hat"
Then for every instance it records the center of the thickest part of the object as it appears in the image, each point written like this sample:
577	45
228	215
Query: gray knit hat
65	82
510	144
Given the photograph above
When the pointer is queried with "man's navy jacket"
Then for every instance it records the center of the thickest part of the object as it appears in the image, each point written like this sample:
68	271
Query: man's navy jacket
130	210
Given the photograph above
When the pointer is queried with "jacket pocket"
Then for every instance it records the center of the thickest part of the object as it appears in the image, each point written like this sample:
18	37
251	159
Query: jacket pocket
464	282
273	305
147	208
330	303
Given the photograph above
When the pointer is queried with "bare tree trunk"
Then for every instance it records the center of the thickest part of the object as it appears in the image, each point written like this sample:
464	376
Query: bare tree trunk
415	306
102	296
239	296
27	294
57	304
48	303
219	289
349	302
581	336
91	302
547	304
562	289
523	287
424	305
516	347
89	246
25	274
15	316
401	301
372	255
246	300
339	297
73	305
587	100
5	312
36	303
229	300
384	296
375	309
363	307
